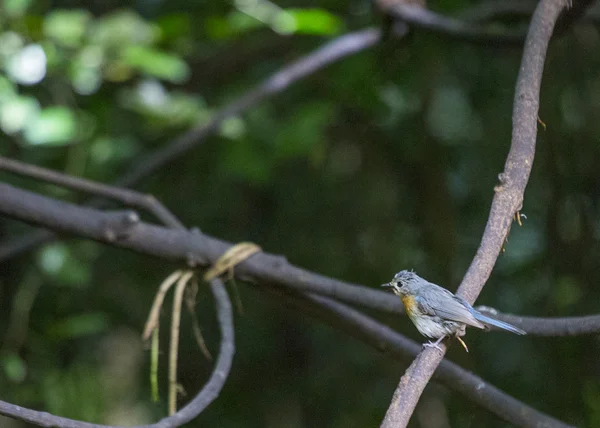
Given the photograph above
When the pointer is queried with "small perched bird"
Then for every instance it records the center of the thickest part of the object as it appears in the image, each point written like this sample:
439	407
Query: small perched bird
437	313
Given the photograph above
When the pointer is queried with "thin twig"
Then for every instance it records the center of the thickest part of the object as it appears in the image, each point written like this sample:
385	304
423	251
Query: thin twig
327	54
508	199
425	19
128	197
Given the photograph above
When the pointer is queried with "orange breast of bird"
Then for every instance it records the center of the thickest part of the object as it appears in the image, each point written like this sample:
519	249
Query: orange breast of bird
410	304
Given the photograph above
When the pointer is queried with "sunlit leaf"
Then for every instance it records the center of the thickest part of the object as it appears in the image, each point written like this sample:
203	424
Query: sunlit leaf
28	66
67	27
17	112
53	126
15	8
156	63
313	21
122	29
233	127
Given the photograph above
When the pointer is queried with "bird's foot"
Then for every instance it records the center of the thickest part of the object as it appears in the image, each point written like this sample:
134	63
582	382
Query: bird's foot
435	344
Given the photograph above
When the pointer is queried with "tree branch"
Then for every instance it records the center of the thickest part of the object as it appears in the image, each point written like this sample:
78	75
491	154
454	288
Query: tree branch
127	197
567	326
327	54
508	200
184	245
209	392
335	50
397	346
425	19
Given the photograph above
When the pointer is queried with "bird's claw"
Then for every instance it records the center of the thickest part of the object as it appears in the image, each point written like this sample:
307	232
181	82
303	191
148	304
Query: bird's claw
433	345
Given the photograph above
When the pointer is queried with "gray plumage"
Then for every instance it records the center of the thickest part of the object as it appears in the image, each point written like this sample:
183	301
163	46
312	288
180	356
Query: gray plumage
438	313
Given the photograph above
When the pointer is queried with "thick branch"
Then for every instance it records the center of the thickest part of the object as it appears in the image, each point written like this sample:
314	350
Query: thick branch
209	392
508	200
263	267
388	341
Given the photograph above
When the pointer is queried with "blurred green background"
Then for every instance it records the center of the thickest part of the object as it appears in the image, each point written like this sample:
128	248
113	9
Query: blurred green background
383	161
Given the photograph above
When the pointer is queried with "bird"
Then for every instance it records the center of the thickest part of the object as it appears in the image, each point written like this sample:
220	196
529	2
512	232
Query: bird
438	313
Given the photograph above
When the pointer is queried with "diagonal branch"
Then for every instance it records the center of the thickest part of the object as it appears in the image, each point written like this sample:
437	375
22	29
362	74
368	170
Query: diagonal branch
388	341
327	54
508	200
209	392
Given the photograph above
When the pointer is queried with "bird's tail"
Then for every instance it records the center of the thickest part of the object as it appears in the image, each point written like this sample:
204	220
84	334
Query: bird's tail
497	323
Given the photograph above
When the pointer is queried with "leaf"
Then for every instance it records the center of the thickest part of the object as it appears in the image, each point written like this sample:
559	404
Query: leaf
156	63
315	21
54	126
122	29
67	27
17	112
14	8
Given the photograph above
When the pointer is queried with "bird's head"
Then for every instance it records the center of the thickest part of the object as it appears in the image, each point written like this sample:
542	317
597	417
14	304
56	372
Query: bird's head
404	282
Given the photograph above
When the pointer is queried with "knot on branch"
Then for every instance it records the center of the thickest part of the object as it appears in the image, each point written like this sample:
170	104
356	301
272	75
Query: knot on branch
504	181
118	225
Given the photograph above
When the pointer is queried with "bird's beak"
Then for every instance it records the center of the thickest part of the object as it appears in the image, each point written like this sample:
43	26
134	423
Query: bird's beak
387	284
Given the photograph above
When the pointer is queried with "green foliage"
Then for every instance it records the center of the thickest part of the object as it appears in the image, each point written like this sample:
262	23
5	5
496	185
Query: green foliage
386	160
284	21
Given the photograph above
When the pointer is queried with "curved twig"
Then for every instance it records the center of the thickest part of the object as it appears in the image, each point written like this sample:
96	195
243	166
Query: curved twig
508	200
206	396
384	339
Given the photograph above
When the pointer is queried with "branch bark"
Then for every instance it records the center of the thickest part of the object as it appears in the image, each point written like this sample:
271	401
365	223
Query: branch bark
184	245
507	201
117	228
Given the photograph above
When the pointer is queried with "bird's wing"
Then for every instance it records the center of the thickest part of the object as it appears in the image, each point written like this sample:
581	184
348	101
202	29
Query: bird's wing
439	301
